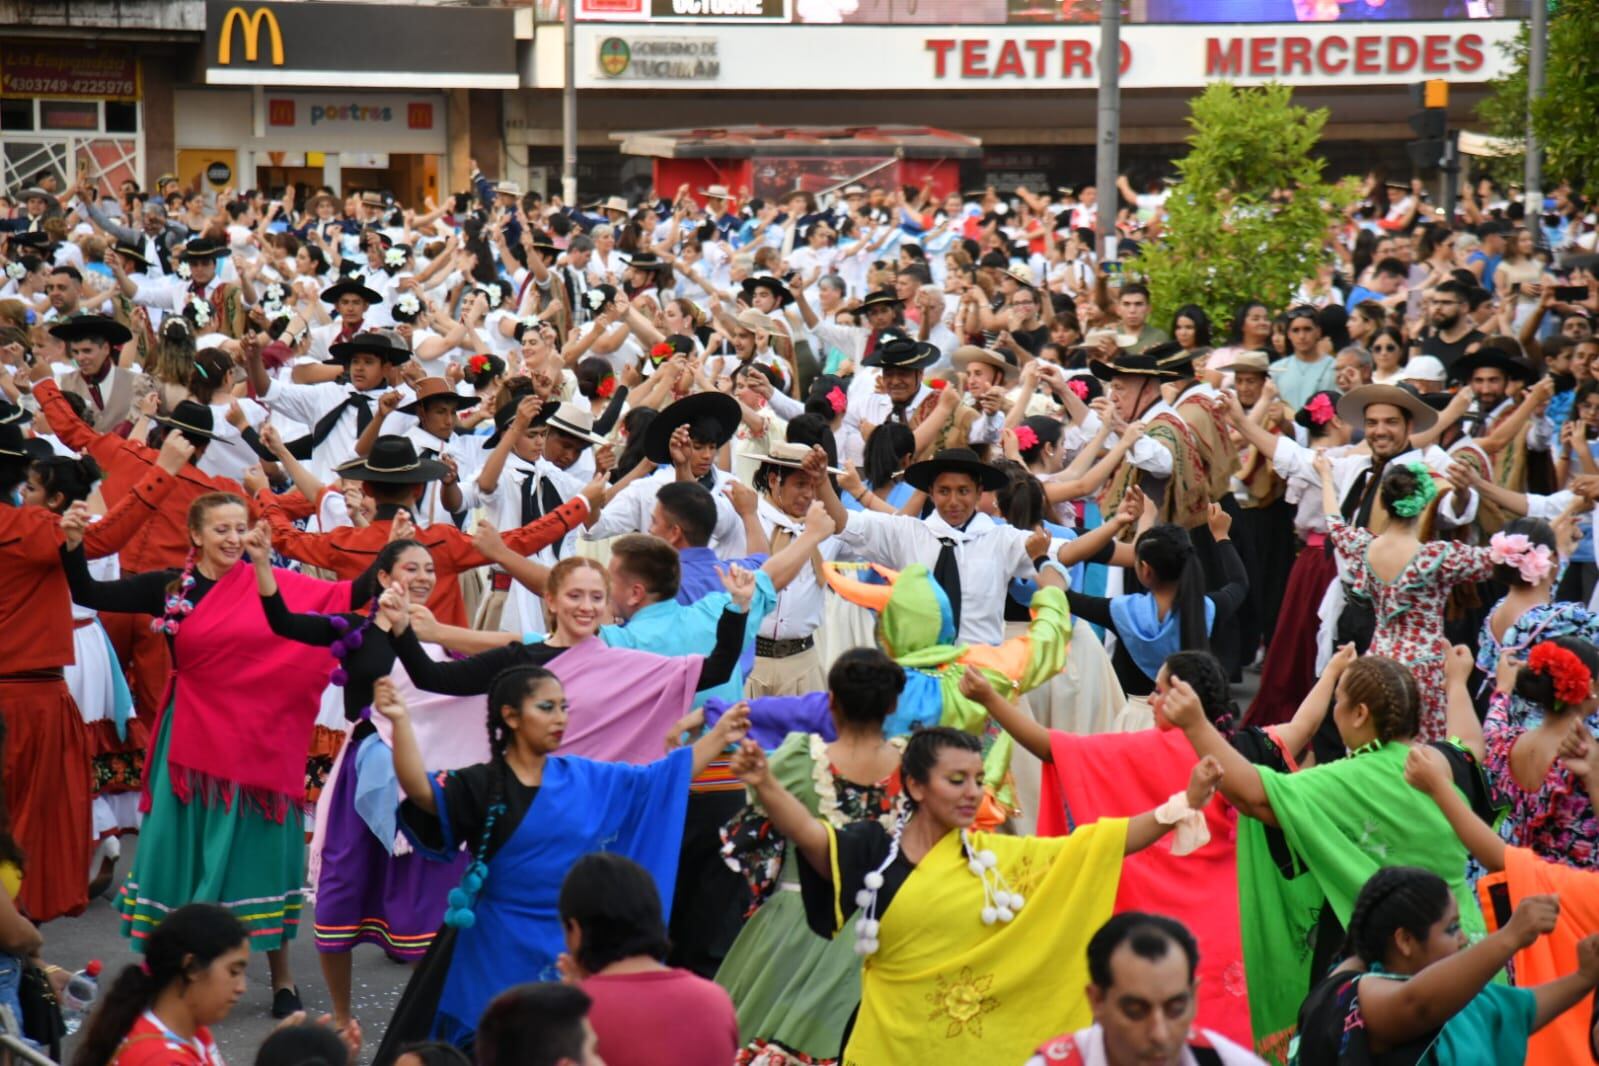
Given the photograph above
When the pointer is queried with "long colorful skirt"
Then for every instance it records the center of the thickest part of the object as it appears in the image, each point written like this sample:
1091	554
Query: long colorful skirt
47	791
795	991
364	894
205	852
1290	668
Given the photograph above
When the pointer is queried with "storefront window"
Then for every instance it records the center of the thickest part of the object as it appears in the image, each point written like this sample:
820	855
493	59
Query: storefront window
16	114
69	115
72	139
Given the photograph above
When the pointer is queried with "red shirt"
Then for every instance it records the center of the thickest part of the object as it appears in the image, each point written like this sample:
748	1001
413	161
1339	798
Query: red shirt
35	604
163	542
662	1018
348	551
149	1043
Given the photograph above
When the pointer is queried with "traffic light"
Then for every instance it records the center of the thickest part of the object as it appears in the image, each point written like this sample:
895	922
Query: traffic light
1430	123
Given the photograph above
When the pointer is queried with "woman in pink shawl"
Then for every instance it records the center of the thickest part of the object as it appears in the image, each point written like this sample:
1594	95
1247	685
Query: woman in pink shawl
225	776
1195	875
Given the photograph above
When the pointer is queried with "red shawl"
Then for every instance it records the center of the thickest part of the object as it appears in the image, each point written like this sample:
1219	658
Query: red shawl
246	699
1118	775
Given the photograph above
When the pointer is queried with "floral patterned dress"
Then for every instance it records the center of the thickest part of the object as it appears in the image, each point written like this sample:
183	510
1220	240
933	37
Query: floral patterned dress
1410	609
794	990
1543	622
1556	820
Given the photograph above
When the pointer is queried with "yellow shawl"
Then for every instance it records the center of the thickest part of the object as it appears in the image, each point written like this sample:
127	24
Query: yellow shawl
945	988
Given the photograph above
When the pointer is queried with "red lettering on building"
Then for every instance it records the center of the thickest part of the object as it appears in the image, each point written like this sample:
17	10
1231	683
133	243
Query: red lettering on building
1435	54
1040	50
1076	55
974	59
1262	57
1126	51
940	47
1296	54
280	112
1368	55
1469	49
1223	61
419	116
1010	61
1325	63
1401	54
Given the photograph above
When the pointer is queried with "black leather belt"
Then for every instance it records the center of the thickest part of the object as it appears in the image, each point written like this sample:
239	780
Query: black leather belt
767	648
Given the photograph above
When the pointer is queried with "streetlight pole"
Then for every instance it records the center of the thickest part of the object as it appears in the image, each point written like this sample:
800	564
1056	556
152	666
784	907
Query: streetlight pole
569	106
1532	179
1110	105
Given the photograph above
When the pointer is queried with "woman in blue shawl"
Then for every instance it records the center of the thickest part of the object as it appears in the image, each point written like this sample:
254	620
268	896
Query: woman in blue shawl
525	817
1177	613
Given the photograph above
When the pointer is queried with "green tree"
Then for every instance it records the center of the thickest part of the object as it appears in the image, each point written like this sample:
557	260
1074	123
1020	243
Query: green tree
1566	116
1248	217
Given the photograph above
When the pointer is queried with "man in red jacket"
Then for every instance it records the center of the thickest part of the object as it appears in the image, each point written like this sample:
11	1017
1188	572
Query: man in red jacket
394	475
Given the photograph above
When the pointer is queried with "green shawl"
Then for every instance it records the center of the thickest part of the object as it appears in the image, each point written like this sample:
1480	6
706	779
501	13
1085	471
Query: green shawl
1343	821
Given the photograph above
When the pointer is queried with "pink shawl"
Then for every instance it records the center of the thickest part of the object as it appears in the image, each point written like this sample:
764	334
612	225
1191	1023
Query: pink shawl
1118	775
624	702
246	699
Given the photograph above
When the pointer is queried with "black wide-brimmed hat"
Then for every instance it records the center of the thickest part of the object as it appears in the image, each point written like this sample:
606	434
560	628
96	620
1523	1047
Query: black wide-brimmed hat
716	414
201	249
85	325
773	285
897	351
1175	358
1137	364
377	342
12	415
393	461
1497	358
343	286
190	418
128	251
881	298
647	261
506	413
954	461
13	445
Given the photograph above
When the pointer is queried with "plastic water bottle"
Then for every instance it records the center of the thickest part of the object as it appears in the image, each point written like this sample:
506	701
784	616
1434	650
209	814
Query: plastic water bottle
77	999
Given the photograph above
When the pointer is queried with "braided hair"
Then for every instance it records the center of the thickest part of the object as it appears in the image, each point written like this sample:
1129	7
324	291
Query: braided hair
508	689
1394	898
1206	677
1389	692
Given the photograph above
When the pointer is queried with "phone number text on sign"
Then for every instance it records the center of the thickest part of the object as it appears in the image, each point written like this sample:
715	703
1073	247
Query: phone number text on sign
67	71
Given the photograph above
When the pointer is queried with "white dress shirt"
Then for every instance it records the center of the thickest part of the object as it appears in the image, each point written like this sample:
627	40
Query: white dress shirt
800	603
631	510
309	403
987	554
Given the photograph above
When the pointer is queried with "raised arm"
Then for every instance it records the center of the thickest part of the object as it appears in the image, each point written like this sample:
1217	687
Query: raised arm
1461	714
1241	782
975	686
409	769
787	814
1144	829
1427	771
1295	733
1399	1011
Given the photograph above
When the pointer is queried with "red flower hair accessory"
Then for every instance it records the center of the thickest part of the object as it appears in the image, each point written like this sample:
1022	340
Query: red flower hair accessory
1573	682
1321	409
1026	439
478	363
606	388
937	384
1078	386
836	400
662	351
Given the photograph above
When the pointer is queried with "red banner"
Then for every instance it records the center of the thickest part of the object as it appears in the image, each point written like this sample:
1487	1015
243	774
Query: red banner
28	69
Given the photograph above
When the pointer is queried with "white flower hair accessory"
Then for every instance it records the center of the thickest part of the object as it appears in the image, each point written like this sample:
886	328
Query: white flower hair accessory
394	257
16	271
183	270
201	312
492	291
595	298
528	322
273	294
408	304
